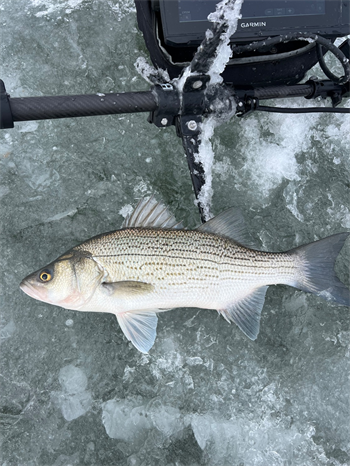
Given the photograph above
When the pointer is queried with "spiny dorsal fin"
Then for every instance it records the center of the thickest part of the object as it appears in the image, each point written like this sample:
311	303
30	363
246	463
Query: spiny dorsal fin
139	327
246	312
230	224
152	214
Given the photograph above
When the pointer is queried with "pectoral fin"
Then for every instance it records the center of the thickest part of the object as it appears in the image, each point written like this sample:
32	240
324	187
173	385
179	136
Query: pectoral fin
246	312
139	327
127	288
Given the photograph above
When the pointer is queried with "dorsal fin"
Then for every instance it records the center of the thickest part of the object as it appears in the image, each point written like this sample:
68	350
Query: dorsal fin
152	214
230	224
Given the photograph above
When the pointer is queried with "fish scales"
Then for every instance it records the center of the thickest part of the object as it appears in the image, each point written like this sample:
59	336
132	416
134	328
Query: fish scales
152	265
186	258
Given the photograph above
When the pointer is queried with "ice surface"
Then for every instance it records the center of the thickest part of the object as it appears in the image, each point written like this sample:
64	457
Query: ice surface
73	390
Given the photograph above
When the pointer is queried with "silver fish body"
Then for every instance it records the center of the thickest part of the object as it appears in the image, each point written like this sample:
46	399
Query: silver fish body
152	265
185	269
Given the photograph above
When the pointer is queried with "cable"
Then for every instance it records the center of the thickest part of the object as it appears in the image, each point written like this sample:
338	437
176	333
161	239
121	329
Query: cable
323	65
302	110
320	42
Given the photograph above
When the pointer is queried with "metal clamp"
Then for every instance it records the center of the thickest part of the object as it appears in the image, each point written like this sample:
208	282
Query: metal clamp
168	105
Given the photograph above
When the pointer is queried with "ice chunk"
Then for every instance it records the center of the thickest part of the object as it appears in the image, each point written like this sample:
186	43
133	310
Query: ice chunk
228	13
122	8
205	156
240	441
72	379
339	212
68	6
28	127
149	73
290	194
201	426
72	405
68	213
8	330
125	420
129	420
74	400
126	210
165	418
195	361
66	460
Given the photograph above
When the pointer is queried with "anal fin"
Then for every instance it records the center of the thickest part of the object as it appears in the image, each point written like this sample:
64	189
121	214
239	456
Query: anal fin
246	312
139	327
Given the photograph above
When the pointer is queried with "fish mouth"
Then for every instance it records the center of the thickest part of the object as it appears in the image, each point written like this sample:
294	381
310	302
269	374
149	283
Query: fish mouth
33	292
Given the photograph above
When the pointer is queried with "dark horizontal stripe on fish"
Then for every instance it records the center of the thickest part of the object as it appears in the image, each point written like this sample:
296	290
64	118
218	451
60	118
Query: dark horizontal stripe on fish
248	259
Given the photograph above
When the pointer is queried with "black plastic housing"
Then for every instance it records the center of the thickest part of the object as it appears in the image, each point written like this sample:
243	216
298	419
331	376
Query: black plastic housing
260	19
283	64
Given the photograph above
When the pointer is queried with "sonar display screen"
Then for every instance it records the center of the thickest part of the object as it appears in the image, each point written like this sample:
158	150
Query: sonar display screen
198	10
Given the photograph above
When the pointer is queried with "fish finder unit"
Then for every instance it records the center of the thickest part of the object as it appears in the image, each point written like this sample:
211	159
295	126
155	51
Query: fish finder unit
173	29
276	43
184	22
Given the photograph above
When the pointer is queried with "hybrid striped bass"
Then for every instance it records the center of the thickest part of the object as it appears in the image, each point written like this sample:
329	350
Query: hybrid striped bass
152	264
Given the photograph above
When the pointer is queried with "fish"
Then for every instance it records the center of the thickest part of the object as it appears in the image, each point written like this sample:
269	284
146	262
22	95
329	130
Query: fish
153	264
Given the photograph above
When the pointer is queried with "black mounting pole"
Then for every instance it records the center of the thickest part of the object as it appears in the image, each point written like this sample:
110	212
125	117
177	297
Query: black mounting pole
196	85
187	128
6	118
194	106
69	106
185	110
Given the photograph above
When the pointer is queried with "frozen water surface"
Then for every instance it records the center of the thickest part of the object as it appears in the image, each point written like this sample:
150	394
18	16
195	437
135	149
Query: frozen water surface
73	390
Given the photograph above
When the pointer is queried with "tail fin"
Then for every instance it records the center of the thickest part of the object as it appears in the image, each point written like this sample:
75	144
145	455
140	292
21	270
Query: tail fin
316	269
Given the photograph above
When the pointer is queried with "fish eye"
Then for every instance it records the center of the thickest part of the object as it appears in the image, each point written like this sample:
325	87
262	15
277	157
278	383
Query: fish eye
45	275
